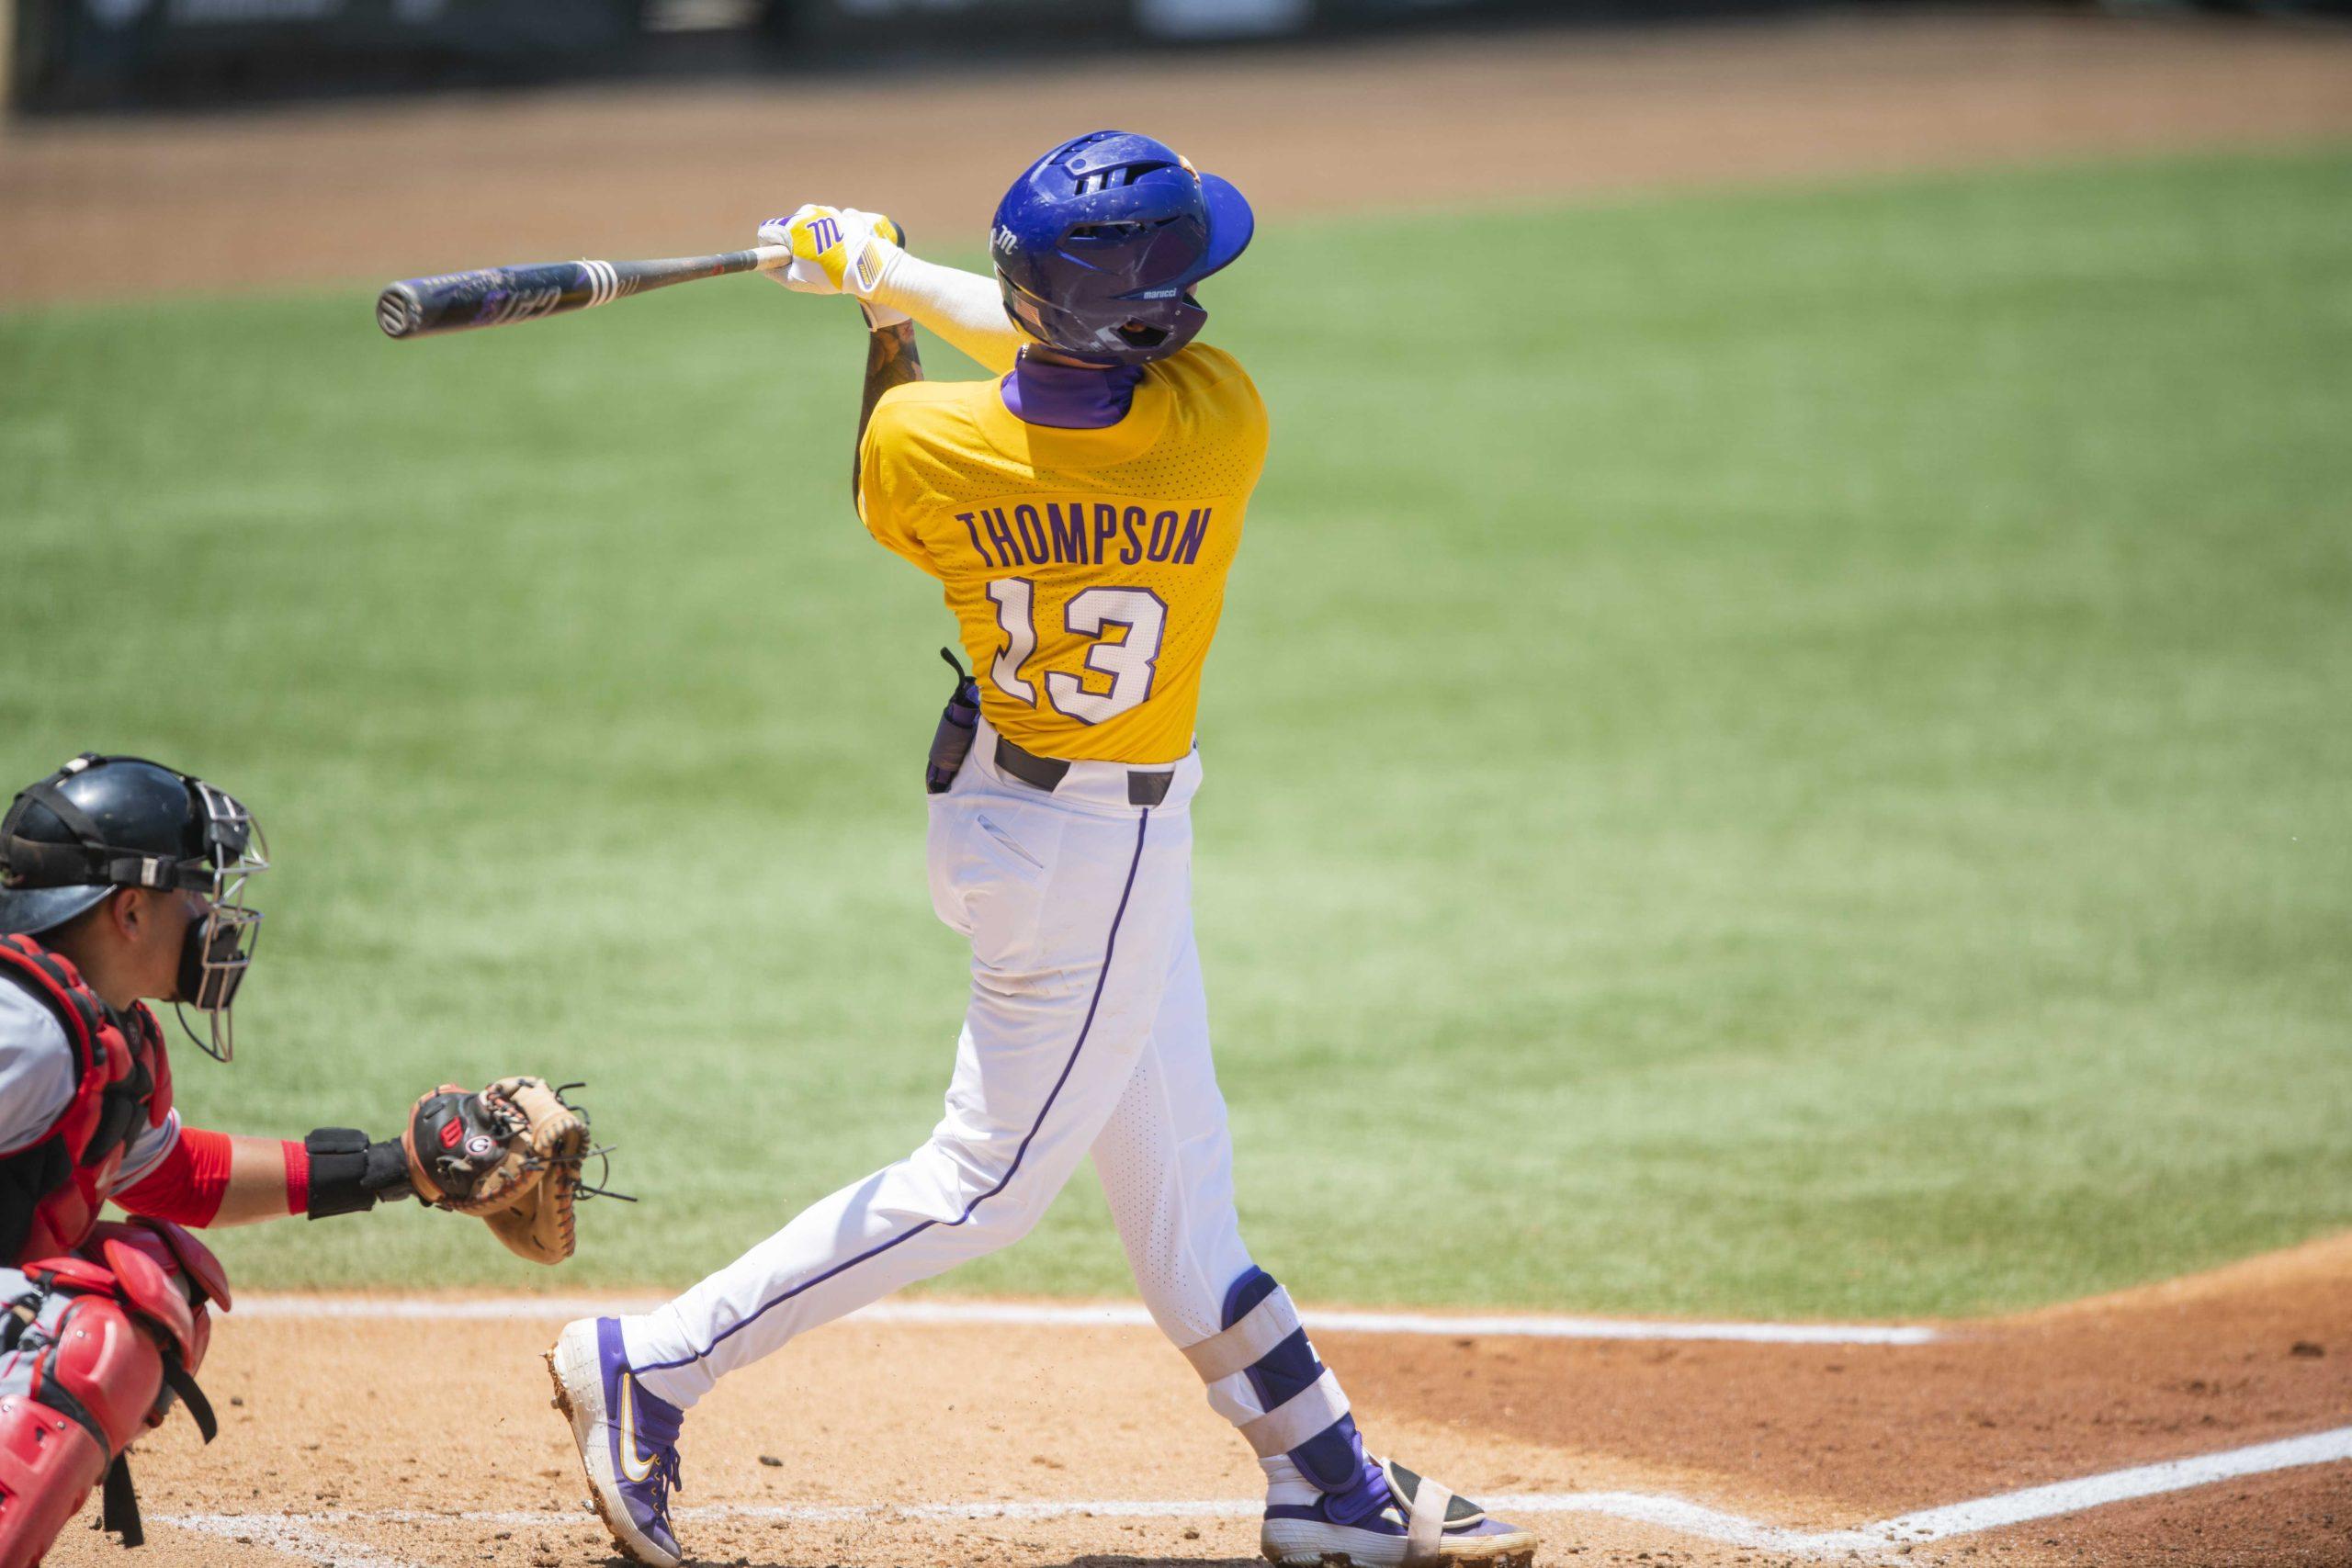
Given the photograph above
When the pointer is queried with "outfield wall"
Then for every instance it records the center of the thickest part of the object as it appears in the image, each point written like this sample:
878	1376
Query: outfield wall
124	54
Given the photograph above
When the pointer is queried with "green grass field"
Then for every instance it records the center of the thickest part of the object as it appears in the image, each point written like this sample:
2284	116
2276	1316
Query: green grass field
1802	770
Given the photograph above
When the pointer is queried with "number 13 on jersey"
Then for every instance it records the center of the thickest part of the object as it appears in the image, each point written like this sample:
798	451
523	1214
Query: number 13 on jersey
1129	660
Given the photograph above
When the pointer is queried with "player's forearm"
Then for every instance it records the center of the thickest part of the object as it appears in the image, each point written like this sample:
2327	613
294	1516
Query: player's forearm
962	306
262	1174
891	360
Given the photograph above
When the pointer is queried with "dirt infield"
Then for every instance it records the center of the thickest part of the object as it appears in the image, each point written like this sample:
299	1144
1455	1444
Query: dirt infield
1007	1445
360	193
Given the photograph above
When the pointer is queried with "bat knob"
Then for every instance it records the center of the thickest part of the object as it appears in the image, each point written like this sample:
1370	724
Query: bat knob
399	311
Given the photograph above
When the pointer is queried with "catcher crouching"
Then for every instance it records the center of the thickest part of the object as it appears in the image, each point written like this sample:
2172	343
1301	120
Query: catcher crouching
123	881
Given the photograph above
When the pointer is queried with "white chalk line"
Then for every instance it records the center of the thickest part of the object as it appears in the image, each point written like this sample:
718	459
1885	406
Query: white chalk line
307	1535
558	1309
297	1535
2120	1485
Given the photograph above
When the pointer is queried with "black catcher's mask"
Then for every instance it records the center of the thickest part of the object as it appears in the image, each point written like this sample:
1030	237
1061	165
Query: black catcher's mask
100	823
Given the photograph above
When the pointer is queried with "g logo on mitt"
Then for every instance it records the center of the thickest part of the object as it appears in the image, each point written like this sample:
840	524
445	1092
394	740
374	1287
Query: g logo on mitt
509	1154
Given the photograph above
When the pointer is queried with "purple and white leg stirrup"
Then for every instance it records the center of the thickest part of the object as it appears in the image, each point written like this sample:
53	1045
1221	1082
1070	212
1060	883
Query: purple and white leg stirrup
1328	1502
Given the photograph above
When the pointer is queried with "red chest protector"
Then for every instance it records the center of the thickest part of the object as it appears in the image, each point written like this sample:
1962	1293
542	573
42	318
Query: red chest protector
51	1190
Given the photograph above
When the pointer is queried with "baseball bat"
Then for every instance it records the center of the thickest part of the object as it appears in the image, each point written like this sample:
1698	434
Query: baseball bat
493	297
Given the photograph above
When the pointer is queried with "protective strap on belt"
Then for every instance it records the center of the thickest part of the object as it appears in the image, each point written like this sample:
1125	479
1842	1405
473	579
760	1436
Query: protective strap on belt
1311	1411
1243	1345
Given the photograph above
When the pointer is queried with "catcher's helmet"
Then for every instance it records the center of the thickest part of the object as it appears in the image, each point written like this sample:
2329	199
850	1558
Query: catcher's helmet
1099	242
100	823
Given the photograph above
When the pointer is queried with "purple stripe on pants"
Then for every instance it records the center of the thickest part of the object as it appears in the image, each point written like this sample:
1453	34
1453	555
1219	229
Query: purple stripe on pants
1110	945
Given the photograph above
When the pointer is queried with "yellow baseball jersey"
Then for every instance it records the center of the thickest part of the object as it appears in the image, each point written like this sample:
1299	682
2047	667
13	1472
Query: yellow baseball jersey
1086	567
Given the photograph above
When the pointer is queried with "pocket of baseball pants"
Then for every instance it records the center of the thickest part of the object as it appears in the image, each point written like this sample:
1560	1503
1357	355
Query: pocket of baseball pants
1010	845
1002	884
974	861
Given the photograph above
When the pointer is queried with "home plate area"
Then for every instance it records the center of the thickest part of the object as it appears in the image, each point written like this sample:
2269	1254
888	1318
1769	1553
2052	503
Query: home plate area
2203	1421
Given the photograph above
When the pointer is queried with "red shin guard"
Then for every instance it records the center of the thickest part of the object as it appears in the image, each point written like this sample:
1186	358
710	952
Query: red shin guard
95	1358
96	1384
47	1464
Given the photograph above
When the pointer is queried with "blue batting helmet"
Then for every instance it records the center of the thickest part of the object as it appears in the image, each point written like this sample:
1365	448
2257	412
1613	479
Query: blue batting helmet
1099	242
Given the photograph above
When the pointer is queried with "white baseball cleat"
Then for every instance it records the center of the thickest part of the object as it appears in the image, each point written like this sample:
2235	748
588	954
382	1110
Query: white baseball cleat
1411	1522
627	1438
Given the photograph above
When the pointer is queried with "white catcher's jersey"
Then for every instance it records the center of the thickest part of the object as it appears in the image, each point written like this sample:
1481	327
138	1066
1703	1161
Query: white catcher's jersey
37	1083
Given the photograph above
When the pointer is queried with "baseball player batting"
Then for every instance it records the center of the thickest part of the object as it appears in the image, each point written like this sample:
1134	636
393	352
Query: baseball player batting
121	879
1081	513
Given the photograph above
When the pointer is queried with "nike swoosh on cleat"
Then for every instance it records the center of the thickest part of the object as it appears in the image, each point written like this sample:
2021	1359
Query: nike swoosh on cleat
633	1468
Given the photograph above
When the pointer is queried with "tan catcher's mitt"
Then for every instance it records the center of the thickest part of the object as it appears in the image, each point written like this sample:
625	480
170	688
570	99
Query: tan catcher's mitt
509	1156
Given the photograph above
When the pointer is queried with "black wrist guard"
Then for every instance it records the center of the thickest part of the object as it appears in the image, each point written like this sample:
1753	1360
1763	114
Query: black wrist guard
349	1174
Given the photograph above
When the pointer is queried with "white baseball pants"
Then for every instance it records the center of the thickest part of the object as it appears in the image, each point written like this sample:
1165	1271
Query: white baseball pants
1087	1032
